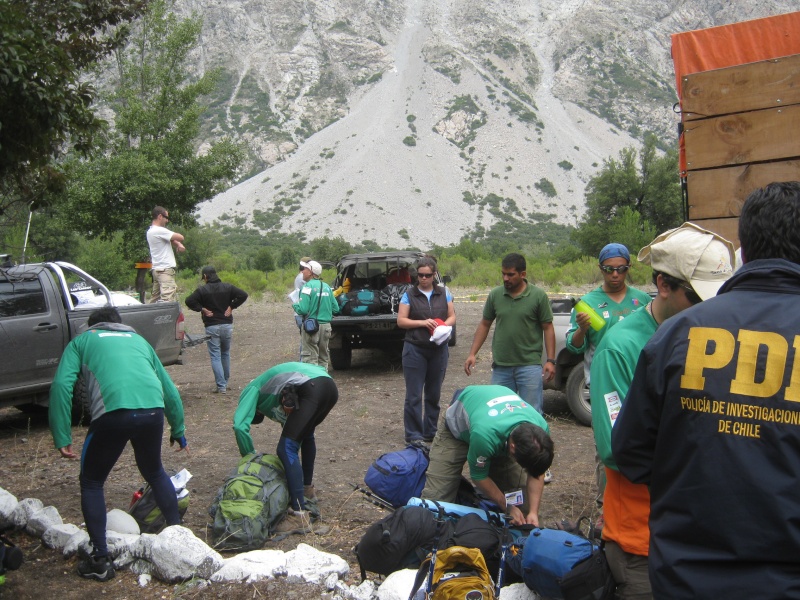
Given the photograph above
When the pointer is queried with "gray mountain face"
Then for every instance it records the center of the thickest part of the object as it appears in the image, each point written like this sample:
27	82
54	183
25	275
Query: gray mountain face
411	122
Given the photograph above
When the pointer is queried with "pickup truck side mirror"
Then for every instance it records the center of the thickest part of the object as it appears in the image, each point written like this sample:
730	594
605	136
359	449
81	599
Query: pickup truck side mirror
447	279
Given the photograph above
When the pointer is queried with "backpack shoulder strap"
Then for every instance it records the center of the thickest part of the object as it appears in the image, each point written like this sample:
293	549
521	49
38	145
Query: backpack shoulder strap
422	573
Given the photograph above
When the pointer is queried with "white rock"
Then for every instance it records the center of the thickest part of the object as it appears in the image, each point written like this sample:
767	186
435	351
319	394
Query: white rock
252	566
312	566
8	502
179	555
119	543
141	567
397	586
24	509
331	581
123	560
143	548
144	579
518	591
42	520
365	591
121	522
76	541
58	536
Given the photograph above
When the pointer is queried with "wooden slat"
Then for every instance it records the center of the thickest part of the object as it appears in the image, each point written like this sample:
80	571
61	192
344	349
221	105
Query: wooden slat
756	136
721	192
727	228
765	84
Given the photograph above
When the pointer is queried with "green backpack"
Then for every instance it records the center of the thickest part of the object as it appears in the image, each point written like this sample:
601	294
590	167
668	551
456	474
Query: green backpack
144	509
253	499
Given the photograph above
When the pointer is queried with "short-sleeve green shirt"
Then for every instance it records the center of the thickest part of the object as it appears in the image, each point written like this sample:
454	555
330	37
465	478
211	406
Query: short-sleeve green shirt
484	416
518	331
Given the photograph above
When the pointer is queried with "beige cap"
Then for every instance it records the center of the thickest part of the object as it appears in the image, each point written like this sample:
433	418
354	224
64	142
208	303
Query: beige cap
315	267
693	254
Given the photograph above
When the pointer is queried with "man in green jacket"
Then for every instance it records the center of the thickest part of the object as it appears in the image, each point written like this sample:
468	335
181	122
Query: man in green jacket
317	302
129	394
298	396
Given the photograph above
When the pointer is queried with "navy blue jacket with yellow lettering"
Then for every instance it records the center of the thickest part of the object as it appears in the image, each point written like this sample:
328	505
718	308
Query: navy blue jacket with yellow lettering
712	423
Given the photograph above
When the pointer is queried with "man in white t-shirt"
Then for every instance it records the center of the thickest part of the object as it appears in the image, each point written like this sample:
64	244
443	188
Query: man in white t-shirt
161	241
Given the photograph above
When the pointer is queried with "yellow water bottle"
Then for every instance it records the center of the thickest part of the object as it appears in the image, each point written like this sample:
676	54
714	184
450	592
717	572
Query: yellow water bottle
596	322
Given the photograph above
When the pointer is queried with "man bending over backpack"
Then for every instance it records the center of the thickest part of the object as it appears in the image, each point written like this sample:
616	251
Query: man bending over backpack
506	443
298	396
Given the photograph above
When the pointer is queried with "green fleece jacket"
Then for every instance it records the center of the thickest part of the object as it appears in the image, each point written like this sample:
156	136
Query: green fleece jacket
120	370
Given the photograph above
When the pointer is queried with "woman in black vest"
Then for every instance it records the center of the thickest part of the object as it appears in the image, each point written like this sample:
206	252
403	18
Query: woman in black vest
424	362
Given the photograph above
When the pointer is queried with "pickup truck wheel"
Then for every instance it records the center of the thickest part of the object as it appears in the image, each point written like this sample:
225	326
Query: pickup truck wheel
578	396
80	404
452	341
341	357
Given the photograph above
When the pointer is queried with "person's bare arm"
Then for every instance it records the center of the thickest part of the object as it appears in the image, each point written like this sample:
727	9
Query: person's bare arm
549	369
177	241
534	487
481	333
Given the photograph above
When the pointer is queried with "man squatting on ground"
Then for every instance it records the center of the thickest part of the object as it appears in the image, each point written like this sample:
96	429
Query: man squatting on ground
505	442
689	266
298	396
712	425
215	301
316	301
613	301
129	394
161	240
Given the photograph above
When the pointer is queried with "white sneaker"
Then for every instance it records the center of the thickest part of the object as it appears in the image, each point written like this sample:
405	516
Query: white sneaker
548	476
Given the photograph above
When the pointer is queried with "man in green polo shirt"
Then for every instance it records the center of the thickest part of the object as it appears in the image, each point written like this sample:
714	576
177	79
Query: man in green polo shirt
506	444
523	316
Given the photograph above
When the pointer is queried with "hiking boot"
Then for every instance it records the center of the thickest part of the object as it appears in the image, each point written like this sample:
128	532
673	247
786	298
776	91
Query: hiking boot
312	507
100	568
548	476
219	391
295	521
309	492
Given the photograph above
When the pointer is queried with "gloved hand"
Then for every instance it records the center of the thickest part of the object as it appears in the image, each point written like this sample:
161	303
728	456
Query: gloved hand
181	442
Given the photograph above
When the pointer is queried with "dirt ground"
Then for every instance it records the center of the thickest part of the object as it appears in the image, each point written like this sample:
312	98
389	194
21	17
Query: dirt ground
366	422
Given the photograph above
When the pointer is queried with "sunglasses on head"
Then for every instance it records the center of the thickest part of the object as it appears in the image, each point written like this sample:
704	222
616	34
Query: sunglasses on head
424	275
621	270
691	295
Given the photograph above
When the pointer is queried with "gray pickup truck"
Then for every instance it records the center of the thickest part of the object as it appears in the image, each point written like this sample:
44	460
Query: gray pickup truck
43	306
569	367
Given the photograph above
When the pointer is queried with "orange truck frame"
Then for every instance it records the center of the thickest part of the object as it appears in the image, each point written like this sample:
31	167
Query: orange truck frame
739	95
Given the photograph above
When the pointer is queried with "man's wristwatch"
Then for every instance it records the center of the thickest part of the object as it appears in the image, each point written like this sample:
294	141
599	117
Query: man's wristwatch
552	360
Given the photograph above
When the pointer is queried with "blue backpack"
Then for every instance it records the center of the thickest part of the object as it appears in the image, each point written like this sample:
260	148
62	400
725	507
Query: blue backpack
547	556
398	476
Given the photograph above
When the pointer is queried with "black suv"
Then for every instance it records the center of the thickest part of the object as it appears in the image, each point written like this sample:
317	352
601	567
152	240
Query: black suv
371	287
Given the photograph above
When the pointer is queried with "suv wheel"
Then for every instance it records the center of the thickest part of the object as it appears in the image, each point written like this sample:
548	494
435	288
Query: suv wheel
578	396
341	357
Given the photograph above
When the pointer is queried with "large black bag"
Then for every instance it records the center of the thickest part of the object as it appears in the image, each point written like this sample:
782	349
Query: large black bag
590	579
399	540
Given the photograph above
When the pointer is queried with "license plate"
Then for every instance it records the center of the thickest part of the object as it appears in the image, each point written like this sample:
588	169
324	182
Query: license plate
380	326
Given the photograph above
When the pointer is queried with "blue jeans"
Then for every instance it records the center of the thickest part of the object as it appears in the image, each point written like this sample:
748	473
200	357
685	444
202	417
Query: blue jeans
107	438
526	381
424	370
219	349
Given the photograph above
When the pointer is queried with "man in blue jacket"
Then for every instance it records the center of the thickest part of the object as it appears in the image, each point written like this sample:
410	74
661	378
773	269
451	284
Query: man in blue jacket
711	423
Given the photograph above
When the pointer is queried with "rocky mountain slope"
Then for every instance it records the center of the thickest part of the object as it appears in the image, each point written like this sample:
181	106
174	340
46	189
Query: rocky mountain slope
412	122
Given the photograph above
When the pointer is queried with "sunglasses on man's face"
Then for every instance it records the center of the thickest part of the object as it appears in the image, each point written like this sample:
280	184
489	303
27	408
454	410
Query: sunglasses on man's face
424	275
621	270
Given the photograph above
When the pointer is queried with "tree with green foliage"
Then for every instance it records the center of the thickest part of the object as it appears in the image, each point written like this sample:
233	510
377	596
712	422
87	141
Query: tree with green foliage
151	158
628	201
263	260
330	249
45	104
